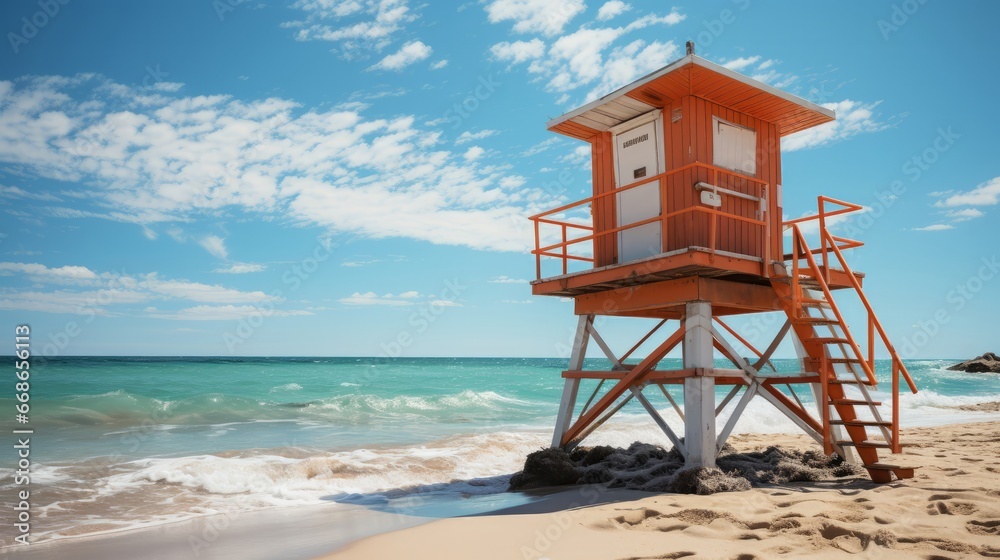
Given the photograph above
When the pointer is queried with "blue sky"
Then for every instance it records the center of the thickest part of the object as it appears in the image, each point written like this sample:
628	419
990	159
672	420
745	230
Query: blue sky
352	177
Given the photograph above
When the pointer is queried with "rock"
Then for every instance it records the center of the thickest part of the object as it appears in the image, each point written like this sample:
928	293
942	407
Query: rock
987	363
546	467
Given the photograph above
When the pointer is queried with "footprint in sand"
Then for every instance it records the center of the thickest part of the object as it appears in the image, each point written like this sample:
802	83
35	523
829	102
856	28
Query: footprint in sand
635	517
669	555
991	527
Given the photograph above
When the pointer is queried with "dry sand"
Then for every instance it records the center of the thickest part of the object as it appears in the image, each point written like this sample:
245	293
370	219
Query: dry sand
951	509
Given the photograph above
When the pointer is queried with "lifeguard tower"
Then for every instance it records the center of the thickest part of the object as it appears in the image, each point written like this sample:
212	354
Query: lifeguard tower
685	224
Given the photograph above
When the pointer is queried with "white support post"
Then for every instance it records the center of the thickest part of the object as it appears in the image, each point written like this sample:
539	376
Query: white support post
572	386
699	391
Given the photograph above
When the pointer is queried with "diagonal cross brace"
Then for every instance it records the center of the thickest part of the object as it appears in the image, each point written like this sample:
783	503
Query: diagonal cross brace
633	377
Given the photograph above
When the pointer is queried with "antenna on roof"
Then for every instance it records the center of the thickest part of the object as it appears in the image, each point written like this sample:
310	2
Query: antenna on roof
690	47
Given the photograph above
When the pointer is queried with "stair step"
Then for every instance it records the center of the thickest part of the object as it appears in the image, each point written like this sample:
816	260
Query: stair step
860	423
894	468
818	320
829	340
864	444
837	360
811	302
854	402
850	381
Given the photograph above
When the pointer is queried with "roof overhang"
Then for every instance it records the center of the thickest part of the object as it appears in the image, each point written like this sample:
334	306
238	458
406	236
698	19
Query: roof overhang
693	75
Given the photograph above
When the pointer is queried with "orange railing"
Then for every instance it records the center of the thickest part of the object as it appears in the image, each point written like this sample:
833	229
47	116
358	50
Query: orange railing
832	247
561	250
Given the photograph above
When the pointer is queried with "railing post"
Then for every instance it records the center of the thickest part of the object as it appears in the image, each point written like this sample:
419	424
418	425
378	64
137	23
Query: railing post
538	256
663	214
713	225
825	397
871	341
565	250
822	239
795	271
896	447
766	218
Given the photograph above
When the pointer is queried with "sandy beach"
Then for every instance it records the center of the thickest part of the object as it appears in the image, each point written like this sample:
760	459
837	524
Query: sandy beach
951	509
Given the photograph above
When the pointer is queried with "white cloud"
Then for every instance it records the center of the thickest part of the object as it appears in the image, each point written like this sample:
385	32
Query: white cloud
986	194
935	227
467	137
518	51
439	65
964	214
853	117
223	313
62	301
111	293
408	54
167	157
547	17
242	268
517	301
215	246
473	153
405	299
738	64
42	273
507	280
357	27
592	56
195	291
16	192
611	9
543	146
371	298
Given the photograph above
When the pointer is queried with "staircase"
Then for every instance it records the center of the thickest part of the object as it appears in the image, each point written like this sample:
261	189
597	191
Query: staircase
846	374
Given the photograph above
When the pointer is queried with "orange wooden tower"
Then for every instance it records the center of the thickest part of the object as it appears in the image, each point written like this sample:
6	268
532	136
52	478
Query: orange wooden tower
685	224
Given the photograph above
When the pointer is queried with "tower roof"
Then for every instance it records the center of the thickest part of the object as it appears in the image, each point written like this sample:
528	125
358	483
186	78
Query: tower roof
693	75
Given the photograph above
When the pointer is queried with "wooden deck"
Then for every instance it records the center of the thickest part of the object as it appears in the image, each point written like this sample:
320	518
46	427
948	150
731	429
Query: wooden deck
690	262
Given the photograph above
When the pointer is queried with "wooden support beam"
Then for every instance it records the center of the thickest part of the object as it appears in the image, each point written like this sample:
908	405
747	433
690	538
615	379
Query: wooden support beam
699	392
631	378
675	294
572	385
637	392
735	416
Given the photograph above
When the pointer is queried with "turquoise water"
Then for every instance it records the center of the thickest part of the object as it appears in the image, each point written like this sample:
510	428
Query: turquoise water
201	435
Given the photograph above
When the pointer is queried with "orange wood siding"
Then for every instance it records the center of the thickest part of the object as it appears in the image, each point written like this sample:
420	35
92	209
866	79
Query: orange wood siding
602	157
690	140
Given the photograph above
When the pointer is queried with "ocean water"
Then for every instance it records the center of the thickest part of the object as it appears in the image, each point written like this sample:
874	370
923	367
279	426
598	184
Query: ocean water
129	442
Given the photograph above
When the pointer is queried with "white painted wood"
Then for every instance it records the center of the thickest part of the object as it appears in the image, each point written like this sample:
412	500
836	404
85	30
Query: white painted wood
637	392
732	394
699	392
620	97
639	154
615	363
597	424
572	386
735	416
670	398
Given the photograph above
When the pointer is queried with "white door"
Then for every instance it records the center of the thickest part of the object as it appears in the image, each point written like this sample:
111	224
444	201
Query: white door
637	155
